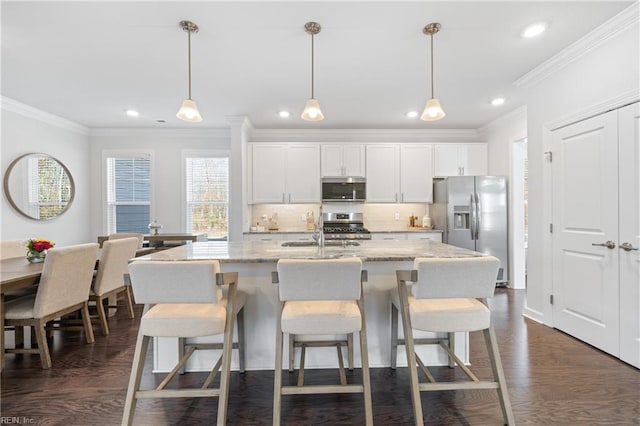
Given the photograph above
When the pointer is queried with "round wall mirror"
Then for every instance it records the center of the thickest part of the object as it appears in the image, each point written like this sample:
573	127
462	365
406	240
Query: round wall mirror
38	186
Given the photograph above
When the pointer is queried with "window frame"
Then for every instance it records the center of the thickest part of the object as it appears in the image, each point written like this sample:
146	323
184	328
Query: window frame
123	153
202	153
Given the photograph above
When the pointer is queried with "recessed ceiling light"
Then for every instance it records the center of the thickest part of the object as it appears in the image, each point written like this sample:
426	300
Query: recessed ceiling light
284	114
497	101
411	114
534	30
132	113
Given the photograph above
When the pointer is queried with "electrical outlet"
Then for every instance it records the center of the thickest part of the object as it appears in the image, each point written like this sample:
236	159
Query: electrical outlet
303	217
397	216
264	217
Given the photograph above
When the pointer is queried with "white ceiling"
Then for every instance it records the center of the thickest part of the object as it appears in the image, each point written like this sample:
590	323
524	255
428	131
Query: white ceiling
89	61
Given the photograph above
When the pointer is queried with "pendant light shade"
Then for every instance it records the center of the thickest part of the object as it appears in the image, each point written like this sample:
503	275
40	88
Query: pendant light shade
189	110
312	110
432	110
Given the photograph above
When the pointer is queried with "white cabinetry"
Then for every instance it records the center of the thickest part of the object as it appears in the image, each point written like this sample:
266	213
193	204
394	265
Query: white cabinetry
469	159
433	236
399	173
285	173
388	236
342	160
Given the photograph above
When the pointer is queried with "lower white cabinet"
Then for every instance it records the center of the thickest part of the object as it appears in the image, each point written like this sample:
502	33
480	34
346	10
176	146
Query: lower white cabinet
433	236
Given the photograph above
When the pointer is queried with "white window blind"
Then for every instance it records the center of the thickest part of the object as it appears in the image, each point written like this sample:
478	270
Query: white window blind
128	194
207	196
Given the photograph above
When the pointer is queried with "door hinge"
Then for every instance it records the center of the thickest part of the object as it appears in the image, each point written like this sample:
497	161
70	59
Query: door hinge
548	155
551	228
551	299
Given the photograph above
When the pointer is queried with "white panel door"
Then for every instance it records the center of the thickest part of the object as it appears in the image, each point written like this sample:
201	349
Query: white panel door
446	160
629	212
585	212
332	160
353	160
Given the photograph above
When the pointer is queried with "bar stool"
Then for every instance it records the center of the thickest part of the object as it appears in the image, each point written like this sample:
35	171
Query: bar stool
448	296
184	299
321	297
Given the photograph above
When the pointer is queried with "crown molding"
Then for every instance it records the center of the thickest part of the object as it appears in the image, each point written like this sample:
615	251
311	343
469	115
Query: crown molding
610	104
363	135
602	34
221	133
28	111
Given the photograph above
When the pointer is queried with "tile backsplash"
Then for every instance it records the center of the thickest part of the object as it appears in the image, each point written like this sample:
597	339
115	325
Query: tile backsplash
377	217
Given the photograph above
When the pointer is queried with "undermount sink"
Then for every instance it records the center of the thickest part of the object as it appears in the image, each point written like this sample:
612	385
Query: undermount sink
333	243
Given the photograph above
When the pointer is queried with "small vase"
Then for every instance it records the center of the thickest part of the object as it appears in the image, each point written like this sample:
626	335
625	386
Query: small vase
36	256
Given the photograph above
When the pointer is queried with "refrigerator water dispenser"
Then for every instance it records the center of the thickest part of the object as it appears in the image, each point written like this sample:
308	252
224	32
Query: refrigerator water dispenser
460	217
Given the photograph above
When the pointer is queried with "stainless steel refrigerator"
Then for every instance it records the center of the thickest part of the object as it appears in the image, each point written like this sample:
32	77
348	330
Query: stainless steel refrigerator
472	213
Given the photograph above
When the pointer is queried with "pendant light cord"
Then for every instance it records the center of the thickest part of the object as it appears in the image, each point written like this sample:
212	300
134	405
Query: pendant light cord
312	65
432	66
189	44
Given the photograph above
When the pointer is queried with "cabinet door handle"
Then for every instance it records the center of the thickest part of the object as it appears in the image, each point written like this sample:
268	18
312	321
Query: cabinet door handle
396	197
402	197
283	197
627	247
289	198
608	244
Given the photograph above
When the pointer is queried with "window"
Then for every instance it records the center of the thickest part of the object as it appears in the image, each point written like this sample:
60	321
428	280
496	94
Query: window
207	195
128	194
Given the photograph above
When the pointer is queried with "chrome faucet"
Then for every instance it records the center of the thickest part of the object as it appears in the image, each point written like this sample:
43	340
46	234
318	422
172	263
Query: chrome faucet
318	229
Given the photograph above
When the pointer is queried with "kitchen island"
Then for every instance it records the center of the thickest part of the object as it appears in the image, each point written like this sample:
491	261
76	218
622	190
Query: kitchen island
255	260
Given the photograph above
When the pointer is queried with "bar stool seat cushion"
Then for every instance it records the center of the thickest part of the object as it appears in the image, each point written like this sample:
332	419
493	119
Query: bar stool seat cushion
184	320
321	317
446	315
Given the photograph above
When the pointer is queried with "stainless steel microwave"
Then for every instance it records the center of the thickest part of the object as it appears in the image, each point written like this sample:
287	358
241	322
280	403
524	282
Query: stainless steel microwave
344	189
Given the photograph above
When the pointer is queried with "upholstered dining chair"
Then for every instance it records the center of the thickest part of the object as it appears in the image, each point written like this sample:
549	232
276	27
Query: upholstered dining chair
185	299
63	289
12	248
447	296
321	297
120	235
109	279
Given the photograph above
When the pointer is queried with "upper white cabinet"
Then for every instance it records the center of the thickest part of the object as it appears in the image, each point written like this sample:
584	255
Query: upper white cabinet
383	178
285	173
342	160
469	159
416	173
399	173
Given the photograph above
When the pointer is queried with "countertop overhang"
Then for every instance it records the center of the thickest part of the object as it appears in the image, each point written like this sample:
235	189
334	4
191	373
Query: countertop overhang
272	251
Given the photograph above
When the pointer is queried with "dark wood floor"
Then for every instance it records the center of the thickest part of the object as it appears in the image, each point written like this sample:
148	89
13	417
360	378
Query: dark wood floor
553	380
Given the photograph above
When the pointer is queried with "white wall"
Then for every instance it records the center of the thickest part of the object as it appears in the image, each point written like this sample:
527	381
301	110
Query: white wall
602	78
500	136
26	129
166	146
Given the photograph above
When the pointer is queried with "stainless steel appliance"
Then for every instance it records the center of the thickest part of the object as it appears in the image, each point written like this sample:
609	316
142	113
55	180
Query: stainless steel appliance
472	213
344	189
344	226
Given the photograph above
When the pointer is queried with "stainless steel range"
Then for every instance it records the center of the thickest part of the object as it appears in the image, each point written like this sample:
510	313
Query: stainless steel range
344	226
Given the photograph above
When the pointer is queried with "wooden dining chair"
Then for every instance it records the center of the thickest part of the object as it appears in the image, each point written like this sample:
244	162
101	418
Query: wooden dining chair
12	248
109	279
63	289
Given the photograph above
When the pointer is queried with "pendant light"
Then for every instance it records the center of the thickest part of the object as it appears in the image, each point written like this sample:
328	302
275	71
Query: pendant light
189	110
312	110
432	111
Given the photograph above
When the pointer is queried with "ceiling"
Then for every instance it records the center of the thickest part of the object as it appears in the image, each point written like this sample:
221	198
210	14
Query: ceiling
90	61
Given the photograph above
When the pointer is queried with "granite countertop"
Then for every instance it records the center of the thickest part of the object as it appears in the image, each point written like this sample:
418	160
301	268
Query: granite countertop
272	251
371	230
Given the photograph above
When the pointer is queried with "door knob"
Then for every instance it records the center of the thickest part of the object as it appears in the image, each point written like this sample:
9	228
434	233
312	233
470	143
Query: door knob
627	247
608	244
